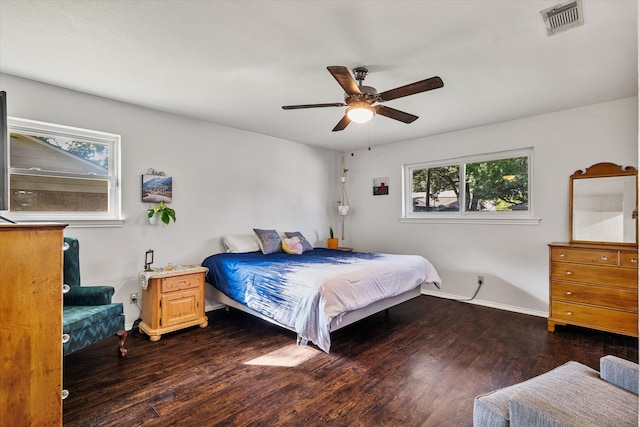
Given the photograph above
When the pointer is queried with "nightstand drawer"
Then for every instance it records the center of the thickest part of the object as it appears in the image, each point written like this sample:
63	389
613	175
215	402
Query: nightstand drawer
599	257
179	283
618	298
629	260
596	274
600	318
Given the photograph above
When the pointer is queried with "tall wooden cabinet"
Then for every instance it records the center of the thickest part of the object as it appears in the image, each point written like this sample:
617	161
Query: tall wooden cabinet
595	286
31	261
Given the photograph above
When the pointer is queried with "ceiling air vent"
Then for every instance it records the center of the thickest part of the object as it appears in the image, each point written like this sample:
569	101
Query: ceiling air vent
563	17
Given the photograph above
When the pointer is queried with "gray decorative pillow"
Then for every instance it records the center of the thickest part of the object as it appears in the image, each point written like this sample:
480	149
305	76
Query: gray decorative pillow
306	246
269	241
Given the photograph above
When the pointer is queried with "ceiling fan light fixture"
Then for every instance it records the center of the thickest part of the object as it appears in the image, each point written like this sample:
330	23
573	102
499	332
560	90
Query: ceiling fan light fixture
360	113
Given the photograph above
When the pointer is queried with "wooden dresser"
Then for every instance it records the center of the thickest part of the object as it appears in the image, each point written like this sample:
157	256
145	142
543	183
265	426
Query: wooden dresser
31	261
594	286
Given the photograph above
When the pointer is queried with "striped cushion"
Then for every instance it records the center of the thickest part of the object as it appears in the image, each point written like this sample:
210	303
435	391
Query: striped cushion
620	372
89	324
569	395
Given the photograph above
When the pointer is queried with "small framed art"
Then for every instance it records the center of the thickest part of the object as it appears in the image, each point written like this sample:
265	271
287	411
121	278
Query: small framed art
381	186
157	188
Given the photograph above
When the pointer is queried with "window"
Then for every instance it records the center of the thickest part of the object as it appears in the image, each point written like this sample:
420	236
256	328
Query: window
60	173
496	186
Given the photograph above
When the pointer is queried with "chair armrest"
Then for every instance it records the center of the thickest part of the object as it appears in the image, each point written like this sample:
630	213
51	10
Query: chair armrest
619	372
89	295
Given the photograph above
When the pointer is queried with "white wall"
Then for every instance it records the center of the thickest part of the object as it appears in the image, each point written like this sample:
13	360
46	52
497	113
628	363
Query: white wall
224	181
512	258
227	180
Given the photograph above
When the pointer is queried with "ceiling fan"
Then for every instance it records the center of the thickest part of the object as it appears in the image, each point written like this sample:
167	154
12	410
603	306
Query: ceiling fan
360	99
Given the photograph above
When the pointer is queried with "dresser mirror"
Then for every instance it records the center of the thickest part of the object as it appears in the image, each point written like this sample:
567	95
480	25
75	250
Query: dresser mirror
603	205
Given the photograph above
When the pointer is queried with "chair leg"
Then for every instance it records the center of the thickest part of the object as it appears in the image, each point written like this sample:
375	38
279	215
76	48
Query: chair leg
122	352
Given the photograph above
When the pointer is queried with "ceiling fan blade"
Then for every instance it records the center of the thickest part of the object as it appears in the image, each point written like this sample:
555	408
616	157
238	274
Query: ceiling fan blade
344	79
296	107
343	123
392	113
411	89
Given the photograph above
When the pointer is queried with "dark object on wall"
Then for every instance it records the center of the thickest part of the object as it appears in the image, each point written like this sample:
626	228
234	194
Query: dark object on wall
381	186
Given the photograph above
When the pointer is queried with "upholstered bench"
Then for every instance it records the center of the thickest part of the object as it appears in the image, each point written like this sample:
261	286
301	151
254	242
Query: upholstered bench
569	395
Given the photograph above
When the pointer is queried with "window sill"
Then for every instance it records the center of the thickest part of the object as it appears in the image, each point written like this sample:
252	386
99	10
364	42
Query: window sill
459	219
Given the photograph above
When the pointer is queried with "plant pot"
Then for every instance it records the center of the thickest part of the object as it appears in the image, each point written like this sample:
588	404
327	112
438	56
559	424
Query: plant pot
153	220
332	243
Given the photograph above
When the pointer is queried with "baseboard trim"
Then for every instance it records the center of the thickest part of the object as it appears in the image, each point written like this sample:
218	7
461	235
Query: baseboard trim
490	304
215	305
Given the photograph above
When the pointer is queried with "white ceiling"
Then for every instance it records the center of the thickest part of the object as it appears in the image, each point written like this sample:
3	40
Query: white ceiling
237	62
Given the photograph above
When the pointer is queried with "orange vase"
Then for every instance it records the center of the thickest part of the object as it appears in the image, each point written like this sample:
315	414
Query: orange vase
332	243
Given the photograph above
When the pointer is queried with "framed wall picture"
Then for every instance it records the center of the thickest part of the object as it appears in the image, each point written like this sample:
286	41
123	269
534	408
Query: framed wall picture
157	188
381	186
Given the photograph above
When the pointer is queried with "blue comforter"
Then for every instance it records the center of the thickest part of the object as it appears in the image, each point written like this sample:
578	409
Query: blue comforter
306	292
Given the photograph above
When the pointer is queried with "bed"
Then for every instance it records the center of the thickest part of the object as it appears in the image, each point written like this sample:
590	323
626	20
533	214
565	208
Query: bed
317	291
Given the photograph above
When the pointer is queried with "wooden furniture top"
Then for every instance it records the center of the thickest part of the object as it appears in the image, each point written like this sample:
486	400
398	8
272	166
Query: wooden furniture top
33	225
596	245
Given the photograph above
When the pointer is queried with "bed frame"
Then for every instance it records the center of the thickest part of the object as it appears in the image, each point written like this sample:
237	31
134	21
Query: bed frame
349	317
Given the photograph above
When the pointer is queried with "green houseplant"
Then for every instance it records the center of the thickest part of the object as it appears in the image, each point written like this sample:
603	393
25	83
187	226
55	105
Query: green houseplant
165	213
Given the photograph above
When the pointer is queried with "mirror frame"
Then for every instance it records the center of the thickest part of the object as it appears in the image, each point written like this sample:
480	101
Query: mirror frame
603	170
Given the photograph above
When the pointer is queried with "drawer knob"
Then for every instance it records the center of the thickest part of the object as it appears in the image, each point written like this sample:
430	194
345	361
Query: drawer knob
65	288
562	255
65	394
569	273
569	313
604	258
568	293
65	338
634	260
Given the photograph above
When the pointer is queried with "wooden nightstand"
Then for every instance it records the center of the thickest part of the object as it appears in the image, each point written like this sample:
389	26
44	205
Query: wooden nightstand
173	300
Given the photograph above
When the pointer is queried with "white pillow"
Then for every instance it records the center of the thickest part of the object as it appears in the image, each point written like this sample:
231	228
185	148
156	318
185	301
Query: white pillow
241	243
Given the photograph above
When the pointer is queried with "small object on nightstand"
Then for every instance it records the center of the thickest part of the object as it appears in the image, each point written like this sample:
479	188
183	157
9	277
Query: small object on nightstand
344	249
148	260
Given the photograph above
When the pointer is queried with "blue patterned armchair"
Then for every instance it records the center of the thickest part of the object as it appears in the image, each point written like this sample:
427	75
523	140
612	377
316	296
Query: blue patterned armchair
89	315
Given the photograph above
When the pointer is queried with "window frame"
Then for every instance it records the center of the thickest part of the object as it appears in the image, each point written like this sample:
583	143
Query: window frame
113	216
462	216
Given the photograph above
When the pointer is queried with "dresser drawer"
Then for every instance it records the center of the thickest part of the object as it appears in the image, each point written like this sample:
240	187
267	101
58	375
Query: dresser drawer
178	283
628	259
600	257
622	298
596	274
595	317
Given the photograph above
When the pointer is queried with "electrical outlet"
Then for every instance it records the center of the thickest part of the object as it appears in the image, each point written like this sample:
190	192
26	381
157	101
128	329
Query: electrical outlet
133	297
480	280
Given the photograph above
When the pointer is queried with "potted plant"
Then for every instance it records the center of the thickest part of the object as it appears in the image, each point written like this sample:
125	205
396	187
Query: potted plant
343	178
343	210
162	210
332	242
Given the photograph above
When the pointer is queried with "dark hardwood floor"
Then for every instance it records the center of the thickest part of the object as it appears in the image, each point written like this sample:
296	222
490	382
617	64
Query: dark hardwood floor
420	366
